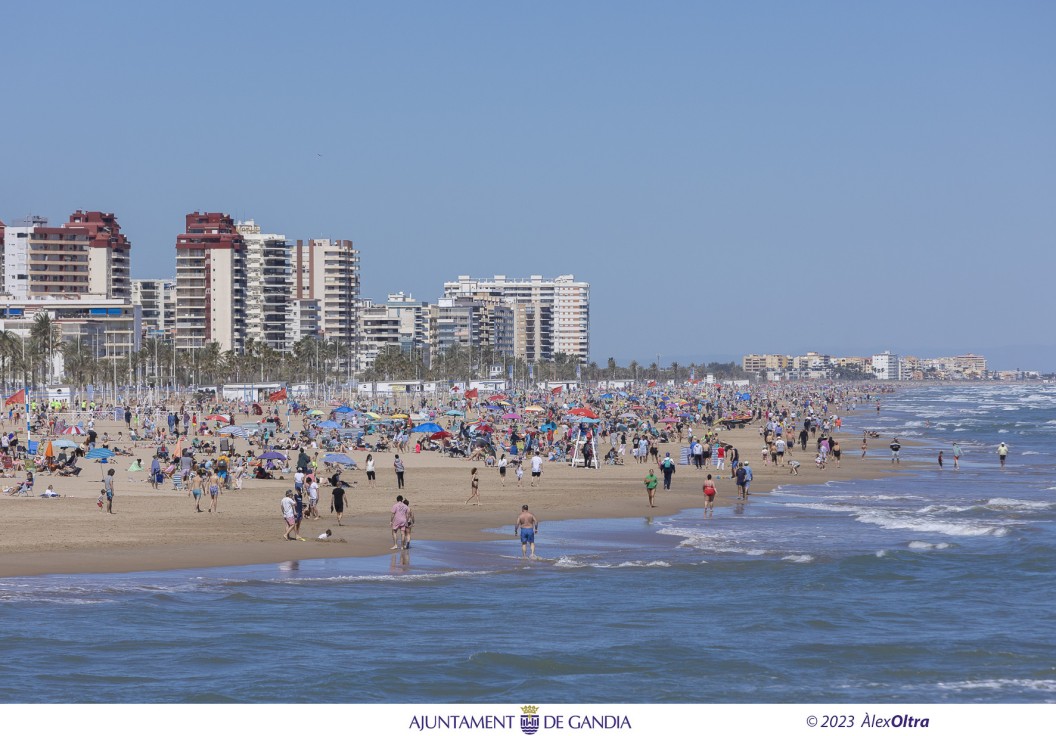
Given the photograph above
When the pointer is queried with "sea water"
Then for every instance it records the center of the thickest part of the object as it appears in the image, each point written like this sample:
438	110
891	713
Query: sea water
928	586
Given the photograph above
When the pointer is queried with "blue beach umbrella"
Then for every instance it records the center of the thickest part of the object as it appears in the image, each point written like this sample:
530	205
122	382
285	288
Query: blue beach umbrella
99	453
270	455
429	428
329	425
338	458
344	410
454	413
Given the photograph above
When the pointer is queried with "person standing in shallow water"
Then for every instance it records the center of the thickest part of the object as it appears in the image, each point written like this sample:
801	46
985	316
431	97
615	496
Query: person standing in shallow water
527	526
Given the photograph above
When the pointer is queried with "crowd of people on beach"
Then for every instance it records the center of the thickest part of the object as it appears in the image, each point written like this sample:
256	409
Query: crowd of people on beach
199	445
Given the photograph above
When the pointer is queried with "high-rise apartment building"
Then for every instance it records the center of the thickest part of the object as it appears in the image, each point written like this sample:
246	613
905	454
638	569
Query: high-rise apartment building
86	256
268	290
887	367
327	272
473	322
557	322
15	250
210	283
157	302
400	322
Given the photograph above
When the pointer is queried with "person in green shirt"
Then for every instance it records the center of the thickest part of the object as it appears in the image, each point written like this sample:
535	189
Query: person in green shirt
650	487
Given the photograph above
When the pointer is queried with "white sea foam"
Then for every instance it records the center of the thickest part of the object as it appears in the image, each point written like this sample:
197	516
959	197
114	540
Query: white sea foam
939	508
1017	504
1047	686
928	525
927	545
400	577
798	558
1030	452
881	553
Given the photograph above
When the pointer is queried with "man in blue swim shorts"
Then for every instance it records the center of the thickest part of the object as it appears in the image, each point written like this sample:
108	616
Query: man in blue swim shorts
527	525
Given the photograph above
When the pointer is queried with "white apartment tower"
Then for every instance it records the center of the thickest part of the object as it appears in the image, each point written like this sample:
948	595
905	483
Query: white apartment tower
268	290
551	315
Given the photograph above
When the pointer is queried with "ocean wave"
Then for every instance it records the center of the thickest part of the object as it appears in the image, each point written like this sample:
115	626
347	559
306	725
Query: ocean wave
574	563
1030	452
1019	504
798	558
928	545
706	542
948	528
401	577
939	508
1048	686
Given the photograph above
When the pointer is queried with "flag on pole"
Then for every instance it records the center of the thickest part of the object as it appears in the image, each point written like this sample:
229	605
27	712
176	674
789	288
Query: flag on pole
471	393
556	390
19	397
651	384
279	395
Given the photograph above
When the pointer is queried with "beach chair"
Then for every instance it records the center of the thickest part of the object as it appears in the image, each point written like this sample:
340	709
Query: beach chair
177	482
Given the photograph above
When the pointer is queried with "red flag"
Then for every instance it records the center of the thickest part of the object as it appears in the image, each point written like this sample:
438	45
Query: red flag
556	390
279	395
651	384
471	394
19	397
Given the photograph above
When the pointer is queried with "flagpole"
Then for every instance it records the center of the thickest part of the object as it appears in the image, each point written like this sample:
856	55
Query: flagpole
29	423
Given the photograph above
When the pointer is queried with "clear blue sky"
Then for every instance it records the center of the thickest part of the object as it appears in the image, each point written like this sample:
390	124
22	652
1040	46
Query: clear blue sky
730	177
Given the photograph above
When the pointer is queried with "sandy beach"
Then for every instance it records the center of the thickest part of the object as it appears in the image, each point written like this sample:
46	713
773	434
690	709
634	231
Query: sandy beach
160	530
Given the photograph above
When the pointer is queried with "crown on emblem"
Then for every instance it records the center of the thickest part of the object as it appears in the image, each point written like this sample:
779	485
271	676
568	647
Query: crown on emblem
529	710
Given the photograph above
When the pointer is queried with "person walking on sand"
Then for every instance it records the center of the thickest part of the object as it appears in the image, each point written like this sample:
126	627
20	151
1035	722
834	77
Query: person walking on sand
537	469
667	467
337	502
527	526
214	492
397	465
108	489
194	490
650	487
371	474
956	456
1002	453
502	470
709	496
519	472
474	485
398	522
289	514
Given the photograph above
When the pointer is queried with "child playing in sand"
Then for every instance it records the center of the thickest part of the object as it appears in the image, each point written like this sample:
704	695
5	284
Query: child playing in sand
101	500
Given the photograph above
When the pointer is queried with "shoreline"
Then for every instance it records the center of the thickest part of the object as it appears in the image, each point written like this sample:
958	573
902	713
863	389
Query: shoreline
157	530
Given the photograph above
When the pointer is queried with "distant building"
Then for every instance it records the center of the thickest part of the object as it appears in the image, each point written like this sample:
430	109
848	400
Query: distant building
555	317
87	255
473	323
15	250
210	283
157	301
886	366
327	272
268	291
401	322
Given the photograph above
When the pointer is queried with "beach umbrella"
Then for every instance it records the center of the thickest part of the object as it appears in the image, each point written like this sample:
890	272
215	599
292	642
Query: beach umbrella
497	397
234	432
607	397
492	408
64	444
218	418
338	458
628	415
547	427
269	455
442	434
669	420
583	411
315	413
454	413
429	427
99	453
49	451
344	409
400	416
372	415
329	425
73	430
534	409
588	420
511	415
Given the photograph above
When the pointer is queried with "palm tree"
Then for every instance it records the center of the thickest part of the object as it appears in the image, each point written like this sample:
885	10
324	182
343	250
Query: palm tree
45	339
